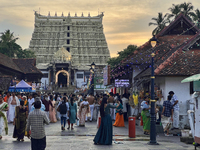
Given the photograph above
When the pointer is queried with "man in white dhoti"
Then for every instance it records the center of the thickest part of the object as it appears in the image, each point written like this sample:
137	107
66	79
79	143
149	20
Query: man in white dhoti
3	119
175	104
30	102
13	101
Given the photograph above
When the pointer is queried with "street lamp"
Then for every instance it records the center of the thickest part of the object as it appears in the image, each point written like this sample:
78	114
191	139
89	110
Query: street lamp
153	141
15	78
93	65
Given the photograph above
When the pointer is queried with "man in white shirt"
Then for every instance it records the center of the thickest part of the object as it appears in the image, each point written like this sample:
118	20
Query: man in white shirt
30	102
124	102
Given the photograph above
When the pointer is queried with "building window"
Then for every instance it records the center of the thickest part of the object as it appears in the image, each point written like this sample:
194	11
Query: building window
68	27
68	34
68	49
79	76
68	41
45	75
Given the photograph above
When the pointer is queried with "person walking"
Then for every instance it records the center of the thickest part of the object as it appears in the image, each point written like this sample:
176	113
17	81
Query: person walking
104	135
30	102
46	103
175	104
167	115
119	122
91	101
21	113
111	101
124	102
72	112
145	115
63	109
3	119
36	122
83	110
13	101
52	111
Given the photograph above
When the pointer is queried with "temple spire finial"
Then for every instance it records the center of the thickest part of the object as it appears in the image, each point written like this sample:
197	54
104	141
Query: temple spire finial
88	14
62	14
69	14
49	14
56	14
82	15
75	14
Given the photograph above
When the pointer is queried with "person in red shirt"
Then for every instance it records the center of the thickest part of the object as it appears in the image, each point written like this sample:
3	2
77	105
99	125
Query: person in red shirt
6	97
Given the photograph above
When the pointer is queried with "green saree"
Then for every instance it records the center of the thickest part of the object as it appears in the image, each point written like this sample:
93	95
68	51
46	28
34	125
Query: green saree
146	120
3	106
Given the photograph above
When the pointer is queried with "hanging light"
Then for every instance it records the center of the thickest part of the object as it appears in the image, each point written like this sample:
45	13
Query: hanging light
93	65
153	41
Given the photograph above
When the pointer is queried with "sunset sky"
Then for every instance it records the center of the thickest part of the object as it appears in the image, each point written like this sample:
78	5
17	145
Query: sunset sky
125	21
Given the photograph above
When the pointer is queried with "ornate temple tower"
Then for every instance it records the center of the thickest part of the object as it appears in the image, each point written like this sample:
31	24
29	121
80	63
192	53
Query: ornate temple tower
82	37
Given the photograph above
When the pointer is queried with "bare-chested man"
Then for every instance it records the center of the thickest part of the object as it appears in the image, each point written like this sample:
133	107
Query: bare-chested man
91	101
13	101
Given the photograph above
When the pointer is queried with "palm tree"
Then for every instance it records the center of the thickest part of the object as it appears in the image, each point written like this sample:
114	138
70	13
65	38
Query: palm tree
186	9
196	17
160	22
175	11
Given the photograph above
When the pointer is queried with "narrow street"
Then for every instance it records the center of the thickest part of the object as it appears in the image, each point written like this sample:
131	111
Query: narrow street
81	138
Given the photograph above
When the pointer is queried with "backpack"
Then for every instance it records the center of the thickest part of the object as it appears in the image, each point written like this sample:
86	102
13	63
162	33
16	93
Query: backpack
63	108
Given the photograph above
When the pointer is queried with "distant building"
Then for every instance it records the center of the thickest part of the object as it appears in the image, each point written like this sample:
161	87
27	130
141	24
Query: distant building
65	46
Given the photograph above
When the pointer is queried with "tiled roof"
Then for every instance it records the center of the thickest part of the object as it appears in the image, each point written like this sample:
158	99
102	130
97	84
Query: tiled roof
27	65
8	62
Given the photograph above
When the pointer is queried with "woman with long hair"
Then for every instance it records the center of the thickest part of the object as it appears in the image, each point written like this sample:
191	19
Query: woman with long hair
104	134
52	111
119	120
73	113
21	114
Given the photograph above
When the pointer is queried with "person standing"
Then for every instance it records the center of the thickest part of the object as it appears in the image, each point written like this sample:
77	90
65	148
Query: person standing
52	111
91	101
167	115
124	102
13	101
73	113
119	122
46	103
111	101
104	135
83	110
63	108
30	102
6	97
21	113
145	115
36	122
3	119
175	104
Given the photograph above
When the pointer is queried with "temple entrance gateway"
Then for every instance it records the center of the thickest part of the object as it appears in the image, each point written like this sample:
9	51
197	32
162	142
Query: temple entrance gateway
62	77
62	80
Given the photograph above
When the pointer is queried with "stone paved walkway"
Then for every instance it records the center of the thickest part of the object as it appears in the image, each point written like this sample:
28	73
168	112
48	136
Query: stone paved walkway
81	138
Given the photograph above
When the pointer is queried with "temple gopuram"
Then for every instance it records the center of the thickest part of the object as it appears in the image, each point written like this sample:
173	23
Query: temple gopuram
66	46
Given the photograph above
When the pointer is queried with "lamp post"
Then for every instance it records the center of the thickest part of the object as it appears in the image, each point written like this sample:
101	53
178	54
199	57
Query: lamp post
152	112
15	78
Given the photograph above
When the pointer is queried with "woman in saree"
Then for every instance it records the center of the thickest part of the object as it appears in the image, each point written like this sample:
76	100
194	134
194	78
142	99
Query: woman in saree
3	119
24	98
83	110
145	115
21	114
119	120
104	135
52	110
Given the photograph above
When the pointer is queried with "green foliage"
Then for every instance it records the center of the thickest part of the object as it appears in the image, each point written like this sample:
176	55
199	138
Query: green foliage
9	47
122	54
184	8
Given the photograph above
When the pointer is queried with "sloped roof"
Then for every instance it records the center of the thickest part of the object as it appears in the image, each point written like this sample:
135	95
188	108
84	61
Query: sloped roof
27	65
8	62
171	51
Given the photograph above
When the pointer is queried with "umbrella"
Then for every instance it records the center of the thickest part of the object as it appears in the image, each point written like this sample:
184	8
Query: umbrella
195	77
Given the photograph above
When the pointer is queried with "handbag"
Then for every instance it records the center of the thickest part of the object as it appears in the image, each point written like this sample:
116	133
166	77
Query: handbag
121	112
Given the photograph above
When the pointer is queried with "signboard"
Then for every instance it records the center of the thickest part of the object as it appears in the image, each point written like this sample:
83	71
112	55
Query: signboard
121	82
106	75
98	83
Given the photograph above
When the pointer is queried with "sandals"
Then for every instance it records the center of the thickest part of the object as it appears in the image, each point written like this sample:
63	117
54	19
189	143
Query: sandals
72	128
68	128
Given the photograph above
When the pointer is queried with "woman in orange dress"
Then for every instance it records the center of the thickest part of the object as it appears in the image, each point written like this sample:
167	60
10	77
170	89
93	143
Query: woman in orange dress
119	120
52	111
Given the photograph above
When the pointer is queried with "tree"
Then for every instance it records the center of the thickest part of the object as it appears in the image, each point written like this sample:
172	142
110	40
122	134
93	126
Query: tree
160	22
175	11
186	9
122	54
9	47
196	17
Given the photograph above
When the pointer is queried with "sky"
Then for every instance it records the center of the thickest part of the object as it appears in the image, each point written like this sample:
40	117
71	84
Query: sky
125	22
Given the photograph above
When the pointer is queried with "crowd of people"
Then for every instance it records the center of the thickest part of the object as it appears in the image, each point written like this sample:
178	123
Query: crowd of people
17	108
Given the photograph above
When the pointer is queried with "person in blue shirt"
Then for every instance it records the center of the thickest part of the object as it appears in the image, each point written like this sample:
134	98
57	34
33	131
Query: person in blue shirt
42	105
